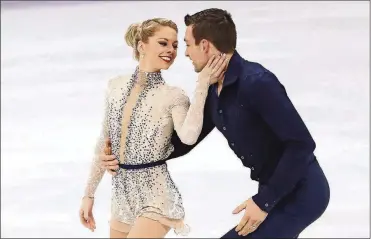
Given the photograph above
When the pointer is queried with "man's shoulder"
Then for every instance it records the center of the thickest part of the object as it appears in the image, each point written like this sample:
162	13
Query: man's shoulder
250	68
254	73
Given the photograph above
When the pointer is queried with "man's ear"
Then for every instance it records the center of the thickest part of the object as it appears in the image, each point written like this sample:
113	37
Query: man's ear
205	45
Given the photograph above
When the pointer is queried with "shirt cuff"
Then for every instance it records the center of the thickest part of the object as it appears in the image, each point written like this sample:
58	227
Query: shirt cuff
265	199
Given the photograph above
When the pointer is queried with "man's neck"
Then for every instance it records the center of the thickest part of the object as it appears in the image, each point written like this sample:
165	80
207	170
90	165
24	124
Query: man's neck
221	80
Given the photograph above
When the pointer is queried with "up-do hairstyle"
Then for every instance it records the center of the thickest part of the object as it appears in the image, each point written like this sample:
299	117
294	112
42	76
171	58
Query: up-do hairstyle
142	31
215	25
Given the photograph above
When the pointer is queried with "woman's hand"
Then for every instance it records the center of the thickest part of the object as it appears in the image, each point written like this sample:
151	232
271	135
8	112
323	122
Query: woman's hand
214	69
86	213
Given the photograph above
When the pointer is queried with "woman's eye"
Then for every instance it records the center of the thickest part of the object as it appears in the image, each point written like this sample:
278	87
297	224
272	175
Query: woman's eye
163	43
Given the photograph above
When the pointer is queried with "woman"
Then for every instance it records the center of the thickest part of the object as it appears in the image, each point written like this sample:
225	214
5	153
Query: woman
142	112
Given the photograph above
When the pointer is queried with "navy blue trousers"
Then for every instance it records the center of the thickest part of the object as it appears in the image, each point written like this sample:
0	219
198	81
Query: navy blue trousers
297	210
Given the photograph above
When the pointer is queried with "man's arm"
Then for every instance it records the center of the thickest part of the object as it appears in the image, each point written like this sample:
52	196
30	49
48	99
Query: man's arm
268	97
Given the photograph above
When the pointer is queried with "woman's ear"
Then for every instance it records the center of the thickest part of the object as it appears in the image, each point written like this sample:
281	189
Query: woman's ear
140	47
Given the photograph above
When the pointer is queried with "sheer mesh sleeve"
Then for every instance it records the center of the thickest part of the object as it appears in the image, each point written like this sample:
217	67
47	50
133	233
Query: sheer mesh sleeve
188	118
96	171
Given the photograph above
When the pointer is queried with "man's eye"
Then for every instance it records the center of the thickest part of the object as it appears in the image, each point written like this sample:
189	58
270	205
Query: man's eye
163	43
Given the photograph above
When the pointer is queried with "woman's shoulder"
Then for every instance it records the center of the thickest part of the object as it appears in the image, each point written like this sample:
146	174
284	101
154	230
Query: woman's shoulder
175	93
118	81
174	90
116	85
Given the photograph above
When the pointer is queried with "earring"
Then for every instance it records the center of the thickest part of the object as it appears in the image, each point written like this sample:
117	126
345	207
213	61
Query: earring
141	56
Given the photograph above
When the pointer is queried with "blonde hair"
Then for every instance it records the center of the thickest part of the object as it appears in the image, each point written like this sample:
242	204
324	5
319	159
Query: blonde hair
142	31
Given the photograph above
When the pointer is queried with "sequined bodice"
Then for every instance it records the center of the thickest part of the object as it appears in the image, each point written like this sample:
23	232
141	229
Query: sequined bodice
141	114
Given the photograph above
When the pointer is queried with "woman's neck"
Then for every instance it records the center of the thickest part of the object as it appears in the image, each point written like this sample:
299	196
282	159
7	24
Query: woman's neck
145	67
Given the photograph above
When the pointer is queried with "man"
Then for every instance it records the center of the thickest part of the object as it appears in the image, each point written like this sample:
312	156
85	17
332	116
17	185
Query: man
252	110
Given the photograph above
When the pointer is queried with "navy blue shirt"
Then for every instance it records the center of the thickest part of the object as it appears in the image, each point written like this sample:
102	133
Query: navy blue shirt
262	127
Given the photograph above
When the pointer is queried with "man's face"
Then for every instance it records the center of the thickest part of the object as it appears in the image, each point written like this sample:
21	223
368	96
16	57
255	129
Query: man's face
197	54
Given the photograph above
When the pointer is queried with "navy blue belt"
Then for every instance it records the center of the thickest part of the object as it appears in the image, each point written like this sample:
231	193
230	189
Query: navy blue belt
141	166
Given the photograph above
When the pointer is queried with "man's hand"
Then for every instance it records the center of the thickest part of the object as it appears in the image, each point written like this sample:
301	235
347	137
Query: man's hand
253	217
108	160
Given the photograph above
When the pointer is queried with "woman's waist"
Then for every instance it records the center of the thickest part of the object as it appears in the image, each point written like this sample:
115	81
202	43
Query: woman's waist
137	161
142	165
134	156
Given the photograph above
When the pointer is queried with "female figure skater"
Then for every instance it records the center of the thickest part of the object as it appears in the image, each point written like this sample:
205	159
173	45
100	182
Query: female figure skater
142	112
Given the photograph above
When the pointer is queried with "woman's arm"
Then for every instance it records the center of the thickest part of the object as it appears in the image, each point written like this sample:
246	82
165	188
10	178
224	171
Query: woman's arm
96	171
188	118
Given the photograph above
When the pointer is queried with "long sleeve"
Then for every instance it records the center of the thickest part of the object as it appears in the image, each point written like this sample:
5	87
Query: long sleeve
181	149
188	118
269	99
96	171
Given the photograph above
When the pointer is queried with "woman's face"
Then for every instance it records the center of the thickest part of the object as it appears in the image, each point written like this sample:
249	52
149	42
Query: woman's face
161	49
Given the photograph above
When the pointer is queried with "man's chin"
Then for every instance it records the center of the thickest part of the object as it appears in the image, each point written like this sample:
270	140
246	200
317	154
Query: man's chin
197	69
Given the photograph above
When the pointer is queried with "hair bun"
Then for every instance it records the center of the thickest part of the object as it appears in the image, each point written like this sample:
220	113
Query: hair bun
132	34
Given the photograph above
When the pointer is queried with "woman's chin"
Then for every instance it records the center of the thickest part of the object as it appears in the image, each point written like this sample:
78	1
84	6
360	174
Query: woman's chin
166	66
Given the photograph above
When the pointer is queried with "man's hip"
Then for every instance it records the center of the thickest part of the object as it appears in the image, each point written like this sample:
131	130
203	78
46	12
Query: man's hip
297	210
